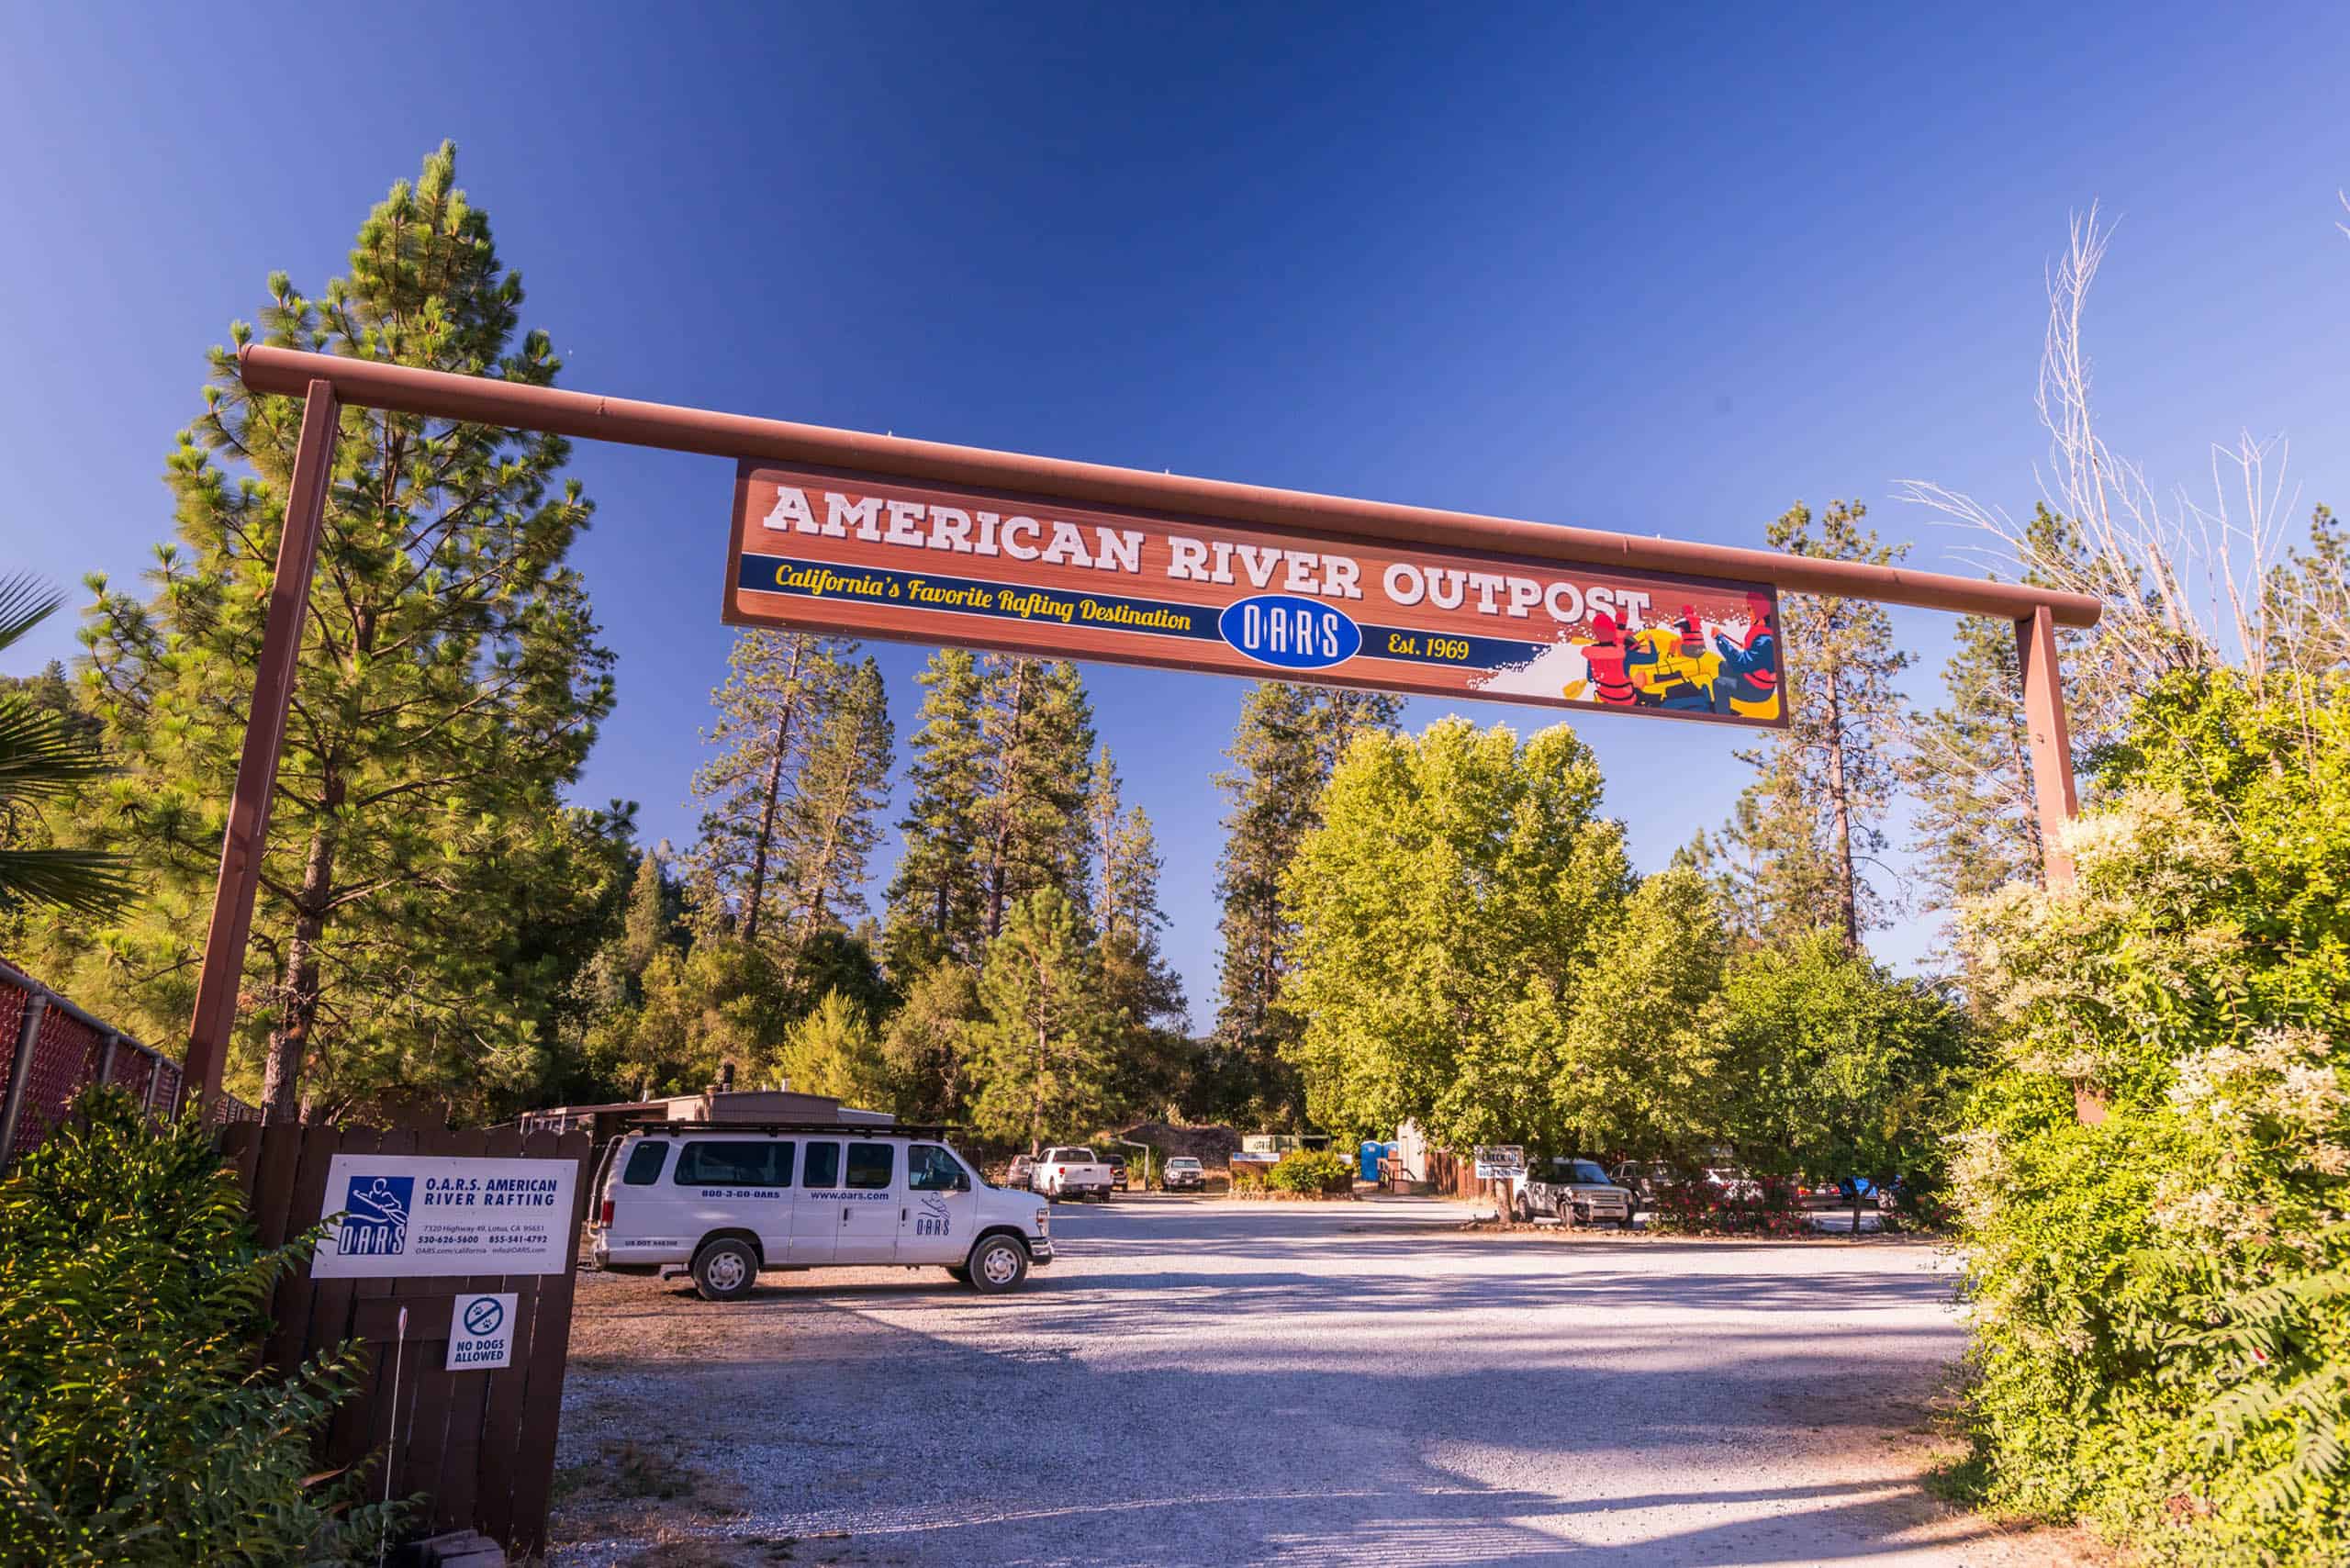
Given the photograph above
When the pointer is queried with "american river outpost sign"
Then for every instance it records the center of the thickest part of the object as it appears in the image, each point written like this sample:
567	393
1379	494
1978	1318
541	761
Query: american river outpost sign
822	549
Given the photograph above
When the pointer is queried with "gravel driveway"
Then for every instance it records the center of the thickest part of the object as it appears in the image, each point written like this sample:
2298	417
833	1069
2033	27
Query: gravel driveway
1212	1382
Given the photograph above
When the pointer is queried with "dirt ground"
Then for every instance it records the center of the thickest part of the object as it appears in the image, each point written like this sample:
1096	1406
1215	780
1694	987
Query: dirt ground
1200	1382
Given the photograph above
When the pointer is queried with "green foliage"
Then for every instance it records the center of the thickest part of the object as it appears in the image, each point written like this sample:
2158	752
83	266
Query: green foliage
833	1050
133	1427
1637	1073
936	899
1824	1063
46	750
2162	1327
450	684
1283	749
1311	1173
1446	908
1042	1040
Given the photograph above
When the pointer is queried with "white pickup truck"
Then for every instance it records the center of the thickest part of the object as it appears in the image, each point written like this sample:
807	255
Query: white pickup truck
1070	1172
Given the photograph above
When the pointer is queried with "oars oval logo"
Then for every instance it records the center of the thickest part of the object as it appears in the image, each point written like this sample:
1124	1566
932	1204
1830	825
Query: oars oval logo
1290	632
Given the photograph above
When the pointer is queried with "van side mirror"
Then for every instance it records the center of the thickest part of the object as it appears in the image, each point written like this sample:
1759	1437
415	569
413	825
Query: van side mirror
962	1180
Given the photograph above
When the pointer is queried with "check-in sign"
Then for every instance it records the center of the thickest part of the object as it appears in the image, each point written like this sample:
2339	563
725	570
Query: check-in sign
827	550
390	1216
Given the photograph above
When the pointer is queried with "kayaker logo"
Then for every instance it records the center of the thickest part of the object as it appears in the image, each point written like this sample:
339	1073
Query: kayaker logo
375	1214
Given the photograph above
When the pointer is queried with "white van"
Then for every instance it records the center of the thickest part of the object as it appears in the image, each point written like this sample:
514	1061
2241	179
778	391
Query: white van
724	1200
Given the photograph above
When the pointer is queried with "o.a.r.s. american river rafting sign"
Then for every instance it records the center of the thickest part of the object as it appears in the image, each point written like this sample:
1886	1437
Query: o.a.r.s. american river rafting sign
827	550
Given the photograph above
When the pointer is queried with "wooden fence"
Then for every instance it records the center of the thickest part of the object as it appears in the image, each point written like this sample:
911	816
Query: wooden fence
479	1443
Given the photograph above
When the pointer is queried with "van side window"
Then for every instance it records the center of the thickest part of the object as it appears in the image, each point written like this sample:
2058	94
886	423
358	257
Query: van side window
930	1168
868	1165
823	1167
644	1163
762	1164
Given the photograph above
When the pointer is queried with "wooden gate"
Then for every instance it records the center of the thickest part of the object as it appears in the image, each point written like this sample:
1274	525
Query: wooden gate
479	1444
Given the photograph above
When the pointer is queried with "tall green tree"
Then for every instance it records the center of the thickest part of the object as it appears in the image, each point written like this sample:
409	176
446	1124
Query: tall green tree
1813	819
1287	740
830	832
783	693
937	897
1038	729
1446	907
46	751
1157	1061
449	686
1637	1073
1044	1038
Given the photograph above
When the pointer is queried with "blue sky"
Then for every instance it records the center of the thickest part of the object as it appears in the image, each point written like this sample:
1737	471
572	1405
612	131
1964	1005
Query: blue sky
1659	270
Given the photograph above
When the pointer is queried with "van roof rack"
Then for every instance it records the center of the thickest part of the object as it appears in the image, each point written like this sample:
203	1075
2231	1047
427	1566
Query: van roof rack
880	1129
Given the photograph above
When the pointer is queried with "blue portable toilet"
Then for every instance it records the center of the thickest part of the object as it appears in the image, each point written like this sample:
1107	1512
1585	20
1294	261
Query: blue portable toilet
1373	1152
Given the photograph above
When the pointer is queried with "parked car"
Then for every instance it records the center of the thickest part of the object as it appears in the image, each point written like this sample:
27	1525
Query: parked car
723	1201
1021	1172
1070	1171
1570	1185
1183	1174
1732	1183
1643	1178
1117	1164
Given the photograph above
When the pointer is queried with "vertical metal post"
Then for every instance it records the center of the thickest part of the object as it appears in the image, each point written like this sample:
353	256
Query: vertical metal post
2052	779
241	845
2052	743
20	1072
106	1059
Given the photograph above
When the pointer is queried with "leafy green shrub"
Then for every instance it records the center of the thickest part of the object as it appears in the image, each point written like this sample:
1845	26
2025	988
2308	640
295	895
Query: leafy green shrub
2161	1301
1311	1171
133	1426
1248	1180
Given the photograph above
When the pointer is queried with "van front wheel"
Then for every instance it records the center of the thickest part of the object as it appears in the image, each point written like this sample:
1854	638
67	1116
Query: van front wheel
725	1270
999	1264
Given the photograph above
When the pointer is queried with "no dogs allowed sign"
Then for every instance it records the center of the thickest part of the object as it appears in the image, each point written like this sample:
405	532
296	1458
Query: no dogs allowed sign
481	1332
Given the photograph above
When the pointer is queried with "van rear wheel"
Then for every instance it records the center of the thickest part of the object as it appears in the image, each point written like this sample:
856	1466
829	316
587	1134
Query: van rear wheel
725	1270
998	1263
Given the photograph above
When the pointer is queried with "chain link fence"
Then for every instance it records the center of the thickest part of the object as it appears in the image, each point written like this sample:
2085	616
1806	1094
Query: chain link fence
50	1050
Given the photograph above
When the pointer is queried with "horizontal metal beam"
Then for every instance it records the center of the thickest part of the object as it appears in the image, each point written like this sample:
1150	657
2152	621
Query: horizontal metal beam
438	395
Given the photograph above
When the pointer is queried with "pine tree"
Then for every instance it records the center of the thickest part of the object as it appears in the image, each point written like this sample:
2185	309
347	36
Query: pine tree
1038	730
780	696
2308	616
1154	1060
1043	1039
937	900
1815	817
830	832
450	684
1968	763
1283	749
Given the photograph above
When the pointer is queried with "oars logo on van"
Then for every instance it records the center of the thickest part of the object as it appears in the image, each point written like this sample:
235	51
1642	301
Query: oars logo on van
1290	632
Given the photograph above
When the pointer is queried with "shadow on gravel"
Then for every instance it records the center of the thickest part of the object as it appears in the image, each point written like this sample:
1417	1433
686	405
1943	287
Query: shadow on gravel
1600	1417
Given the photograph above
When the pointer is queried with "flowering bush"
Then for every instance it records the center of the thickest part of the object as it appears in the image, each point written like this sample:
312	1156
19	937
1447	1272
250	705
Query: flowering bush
1768	1208
2161	1301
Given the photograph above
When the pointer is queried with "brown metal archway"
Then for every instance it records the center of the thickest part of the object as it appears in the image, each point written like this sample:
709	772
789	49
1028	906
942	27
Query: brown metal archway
329	381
